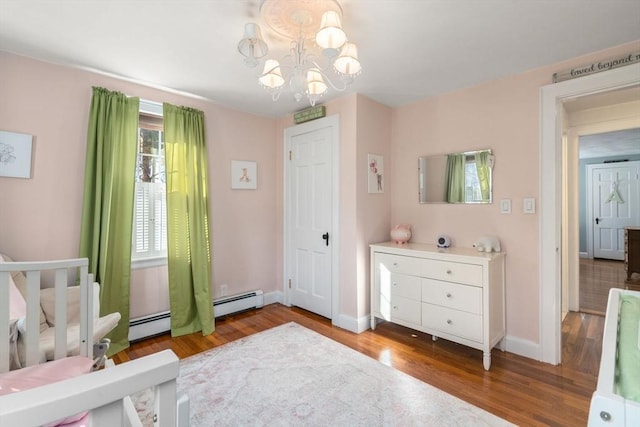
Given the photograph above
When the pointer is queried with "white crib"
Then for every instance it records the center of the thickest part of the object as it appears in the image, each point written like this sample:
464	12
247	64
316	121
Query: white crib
608	408
104	394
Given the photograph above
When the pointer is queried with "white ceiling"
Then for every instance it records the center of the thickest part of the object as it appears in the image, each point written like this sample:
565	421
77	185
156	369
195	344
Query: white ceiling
409	49
618	143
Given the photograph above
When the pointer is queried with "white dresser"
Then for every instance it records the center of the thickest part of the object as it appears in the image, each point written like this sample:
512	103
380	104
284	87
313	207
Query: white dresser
453	293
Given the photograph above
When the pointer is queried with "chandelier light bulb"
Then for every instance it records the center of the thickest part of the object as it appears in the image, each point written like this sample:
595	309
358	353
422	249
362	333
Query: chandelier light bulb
271	76
331	36
315	83
347	62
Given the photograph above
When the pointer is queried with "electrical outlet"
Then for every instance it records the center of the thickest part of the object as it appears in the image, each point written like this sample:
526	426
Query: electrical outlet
224	288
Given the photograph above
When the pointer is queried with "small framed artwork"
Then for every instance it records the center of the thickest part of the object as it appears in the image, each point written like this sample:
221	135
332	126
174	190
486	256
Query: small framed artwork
15	154
244	175
376	173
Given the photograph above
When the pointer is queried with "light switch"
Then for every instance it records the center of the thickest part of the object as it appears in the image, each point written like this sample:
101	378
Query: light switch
505	206
529	205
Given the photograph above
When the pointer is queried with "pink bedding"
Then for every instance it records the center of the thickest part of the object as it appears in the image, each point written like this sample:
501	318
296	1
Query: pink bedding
46	373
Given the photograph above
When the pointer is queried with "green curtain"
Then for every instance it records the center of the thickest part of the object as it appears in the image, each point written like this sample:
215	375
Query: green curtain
107	206
484	174
188	245
455	178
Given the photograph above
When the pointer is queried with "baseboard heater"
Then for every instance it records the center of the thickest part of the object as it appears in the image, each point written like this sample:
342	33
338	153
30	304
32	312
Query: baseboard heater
155	324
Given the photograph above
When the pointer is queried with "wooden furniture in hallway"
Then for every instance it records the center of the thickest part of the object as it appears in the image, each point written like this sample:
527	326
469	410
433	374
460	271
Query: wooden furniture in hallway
520	390
632	257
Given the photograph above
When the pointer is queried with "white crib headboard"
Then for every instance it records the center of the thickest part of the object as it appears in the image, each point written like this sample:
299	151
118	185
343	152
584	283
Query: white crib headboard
63	272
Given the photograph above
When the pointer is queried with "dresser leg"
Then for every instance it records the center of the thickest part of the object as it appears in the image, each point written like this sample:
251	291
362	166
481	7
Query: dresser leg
434	338
486	360
373	323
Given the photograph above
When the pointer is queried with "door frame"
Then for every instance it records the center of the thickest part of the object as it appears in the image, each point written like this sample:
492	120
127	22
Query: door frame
332	122
572	228
551	193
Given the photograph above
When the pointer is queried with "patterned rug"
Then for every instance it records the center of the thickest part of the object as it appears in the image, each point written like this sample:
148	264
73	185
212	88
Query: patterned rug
292	376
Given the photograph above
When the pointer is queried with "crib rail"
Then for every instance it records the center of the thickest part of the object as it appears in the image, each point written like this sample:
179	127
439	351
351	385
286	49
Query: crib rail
61	269
609	409
101	392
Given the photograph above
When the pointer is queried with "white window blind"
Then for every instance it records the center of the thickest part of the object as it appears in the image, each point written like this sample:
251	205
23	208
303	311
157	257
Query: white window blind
150	218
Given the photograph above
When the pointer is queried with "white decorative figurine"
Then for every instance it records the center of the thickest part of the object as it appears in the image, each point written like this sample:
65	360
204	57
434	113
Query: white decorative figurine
487	244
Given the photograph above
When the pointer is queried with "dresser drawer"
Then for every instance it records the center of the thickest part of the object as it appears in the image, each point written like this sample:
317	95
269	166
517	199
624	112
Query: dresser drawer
452	295
470	274
406	309
399	264
454	322
405	286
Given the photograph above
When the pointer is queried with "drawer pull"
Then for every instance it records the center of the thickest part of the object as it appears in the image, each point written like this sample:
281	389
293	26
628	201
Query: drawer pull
395	264
448	295
449	321
448	271
395	284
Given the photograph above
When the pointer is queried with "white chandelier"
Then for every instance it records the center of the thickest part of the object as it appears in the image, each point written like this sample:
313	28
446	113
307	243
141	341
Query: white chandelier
301	71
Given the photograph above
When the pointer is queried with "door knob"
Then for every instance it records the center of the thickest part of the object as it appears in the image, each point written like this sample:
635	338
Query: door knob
325	236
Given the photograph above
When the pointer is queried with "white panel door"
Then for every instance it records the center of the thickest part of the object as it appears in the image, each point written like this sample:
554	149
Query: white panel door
615	204
310	224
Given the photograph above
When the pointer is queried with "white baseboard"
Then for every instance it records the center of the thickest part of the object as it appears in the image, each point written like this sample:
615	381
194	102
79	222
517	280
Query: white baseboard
584	255
352	324
274	297
522	347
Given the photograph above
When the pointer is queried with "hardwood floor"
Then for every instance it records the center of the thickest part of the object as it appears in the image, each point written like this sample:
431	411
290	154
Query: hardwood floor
521	390
597	276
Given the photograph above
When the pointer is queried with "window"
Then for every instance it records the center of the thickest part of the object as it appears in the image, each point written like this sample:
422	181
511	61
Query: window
149	241
471	181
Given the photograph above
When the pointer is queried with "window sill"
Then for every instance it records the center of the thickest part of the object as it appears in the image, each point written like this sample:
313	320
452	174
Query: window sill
148	263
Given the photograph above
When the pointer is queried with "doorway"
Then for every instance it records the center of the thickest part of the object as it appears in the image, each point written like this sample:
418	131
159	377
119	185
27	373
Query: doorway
311	216
613	203
553	218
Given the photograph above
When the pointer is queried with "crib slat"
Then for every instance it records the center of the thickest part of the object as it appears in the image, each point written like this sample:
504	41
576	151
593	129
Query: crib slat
61	283
86	312
4	320
105	416
165	406
32	323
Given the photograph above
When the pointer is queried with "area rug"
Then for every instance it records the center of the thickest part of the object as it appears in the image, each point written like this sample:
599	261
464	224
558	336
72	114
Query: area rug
292	376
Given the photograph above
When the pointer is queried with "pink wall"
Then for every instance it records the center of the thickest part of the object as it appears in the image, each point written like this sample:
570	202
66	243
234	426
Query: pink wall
502	115
373	210
40	217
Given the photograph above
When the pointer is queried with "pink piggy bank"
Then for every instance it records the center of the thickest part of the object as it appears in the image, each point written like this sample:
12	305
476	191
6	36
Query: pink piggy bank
401	233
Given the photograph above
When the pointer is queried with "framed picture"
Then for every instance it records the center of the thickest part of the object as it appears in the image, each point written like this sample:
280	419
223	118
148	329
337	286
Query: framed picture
244	175
15	154
376	173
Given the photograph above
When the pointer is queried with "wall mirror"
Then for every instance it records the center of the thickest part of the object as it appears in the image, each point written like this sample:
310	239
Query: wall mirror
456	177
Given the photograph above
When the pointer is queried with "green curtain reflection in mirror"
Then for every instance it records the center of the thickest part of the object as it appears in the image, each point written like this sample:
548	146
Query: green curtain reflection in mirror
455	178
484	175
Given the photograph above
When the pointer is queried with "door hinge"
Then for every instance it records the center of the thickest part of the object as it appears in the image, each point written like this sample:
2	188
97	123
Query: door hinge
290	155
289	283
